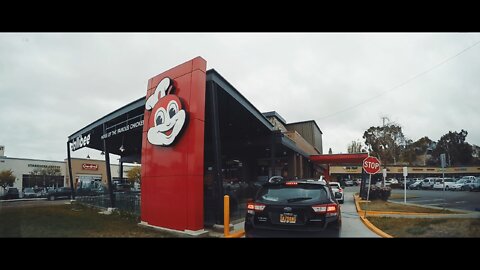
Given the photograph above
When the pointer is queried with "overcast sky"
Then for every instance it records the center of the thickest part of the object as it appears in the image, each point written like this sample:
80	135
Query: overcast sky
52	85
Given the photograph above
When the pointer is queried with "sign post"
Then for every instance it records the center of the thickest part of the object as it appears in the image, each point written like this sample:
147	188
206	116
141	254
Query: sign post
443	163
384	172
371	165
405	173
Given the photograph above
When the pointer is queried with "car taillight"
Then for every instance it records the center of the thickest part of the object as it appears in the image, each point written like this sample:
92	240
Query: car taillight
325	208
291	183
340	190
255	206
331	208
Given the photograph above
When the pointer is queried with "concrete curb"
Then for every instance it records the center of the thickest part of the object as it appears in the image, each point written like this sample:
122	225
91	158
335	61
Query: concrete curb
367	223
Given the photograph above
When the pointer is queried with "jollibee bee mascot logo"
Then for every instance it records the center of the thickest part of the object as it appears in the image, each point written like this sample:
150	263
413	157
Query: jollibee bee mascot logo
169	115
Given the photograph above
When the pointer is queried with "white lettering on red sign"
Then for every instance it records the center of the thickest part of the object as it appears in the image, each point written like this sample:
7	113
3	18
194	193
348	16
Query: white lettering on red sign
373	165
92	167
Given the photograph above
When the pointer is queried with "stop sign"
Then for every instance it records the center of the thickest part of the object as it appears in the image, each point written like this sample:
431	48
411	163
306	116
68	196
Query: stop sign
371	165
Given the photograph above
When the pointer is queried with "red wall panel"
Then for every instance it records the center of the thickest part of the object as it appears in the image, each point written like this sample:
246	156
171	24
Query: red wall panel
172	175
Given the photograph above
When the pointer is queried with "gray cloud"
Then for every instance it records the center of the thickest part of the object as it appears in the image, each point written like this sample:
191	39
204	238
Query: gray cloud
51	85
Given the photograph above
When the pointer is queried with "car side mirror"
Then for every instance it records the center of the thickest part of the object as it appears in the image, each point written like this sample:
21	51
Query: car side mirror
338	195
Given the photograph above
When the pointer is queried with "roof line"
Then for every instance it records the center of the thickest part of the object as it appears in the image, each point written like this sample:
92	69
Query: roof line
306	121
275	114
43	160
290	144
212	74
103	119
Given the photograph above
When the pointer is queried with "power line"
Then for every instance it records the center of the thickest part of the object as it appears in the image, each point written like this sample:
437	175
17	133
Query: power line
403	83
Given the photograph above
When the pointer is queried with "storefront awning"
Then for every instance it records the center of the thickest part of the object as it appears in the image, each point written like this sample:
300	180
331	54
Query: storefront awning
339	158
122	127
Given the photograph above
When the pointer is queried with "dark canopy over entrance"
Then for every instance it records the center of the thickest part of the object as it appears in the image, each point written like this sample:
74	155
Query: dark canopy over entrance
119	133
339	158
121	127
344	159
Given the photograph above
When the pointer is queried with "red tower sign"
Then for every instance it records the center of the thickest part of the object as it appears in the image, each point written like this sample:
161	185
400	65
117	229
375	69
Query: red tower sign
371	165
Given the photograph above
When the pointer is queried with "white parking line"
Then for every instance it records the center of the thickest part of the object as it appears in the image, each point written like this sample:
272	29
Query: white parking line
432	200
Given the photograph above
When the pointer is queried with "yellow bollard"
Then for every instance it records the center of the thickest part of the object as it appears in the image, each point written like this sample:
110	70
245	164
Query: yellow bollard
226	215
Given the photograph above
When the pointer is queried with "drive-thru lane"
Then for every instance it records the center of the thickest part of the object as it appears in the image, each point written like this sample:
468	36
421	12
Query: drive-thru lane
352	226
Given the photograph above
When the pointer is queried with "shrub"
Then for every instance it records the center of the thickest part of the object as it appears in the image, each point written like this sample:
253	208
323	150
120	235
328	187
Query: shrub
379	193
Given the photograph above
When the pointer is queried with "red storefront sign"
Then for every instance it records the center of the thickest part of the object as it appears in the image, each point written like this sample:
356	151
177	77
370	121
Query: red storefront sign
173	148
92	167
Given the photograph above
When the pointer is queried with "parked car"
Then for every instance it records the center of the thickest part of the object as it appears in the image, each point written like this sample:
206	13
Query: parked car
294	208
357	182
348	182
62	192
428	183
29	193
122	188
460	185
335	186
40	192
475	185
439	183
391	181
11	193
416	185
409	181
469	182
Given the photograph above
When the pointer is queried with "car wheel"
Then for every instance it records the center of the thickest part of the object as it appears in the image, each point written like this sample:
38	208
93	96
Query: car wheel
51	198
334	229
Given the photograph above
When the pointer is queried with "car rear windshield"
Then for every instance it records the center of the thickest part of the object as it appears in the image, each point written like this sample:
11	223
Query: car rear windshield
291	194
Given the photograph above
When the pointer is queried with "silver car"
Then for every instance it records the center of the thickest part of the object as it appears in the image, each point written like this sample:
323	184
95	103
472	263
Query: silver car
335	186
29	193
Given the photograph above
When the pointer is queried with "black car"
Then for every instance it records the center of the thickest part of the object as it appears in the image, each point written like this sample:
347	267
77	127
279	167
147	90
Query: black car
62	192
297	208
11	193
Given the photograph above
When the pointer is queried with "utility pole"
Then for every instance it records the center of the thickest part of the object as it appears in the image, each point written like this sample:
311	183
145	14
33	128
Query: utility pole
383	119
383	142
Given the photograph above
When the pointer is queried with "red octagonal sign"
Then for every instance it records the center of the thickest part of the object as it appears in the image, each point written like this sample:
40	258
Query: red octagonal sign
371	165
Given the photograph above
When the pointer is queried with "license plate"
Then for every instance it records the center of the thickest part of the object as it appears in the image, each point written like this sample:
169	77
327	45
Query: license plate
288	218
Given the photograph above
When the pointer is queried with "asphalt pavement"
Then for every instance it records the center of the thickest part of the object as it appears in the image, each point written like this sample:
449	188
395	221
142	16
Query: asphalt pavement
462	200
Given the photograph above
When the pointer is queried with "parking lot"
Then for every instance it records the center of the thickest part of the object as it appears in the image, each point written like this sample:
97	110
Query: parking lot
463	200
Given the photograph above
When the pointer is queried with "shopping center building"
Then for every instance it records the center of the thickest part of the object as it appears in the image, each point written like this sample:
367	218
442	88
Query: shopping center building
37	173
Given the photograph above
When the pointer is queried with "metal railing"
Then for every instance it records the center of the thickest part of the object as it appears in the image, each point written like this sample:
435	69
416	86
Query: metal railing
124	201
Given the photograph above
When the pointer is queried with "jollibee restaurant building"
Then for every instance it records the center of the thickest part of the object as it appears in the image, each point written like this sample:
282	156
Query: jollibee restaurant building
197	139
